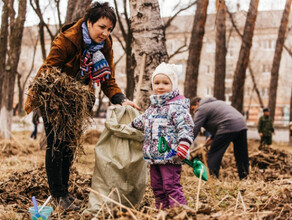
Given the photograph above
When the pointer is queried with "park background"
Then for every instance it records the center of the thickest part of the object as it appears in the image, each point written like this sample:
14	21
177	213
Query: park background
219	52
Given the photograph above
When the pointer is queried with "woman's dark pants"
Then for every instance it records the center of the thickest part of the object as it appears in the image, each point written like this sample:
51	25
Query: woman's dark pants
59	158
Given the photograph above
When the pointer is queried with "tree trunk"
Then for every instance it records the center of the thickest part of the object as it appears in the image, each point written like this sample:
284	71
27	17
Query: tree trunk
243	58
196	42
3	44
290	115
277	59
100	98
20	94
148	38
76	9
130	75
127	36
42	40
15	37
70	10
220	57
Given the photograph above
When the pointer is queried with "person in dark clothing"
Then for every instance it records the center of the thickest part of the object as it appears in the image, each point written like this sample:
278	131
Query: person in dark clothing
265	128
225	124
35	121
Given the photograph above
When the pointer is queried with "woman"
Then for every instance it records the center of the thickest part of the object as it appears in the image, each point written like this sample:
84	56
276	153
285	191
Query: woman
82	50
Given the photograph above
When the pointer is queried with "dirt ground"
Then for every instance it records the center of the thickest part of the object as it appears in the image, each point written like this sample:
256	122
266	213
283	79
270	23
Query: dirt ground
266	194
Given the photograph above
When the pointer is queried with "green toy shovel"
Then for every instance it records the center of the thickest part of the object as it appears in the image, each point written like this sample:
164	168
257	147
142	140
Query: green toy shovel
195	164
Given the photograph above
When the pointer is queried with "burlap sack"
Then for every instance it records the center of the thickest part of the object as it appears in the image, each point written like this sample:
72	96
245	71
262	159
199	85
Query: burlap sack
119	160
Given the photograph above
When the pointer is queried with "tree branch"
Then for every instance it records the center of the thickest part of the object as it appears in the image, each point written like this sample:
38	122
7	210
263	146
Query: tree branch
168	22
288	50
32	63
179	50
126	17
38	11
58	13
233	22
120	21
120	41
255	85
119	59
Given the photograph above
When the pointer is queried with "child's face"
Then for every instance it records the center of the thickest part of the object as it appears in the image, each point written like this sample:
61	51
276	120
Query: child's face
161	84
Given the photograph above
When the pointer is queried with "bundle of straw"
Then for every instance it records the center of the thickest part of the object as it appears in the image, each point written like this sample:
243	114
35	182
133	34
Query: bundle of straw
65	102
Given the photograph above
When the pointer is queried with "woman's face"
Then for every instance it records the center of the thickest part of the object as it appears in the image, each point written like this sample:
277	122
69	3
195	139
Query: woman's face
100	30
161	84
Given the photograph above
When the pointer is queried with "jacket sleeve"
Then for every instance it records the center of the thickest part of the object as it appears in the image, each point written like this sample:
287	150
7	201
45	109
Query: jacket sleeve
139	122
183	123
260	125
199	120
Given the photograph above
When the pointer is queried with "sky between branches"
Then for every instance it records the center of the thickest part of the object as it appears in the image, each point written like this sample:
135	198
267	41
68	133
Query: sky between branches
166	7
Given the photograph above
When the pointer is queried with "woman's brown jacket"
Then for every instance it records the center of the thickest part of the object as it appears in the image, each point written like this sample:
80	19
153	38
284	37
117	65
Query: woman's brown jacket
65	54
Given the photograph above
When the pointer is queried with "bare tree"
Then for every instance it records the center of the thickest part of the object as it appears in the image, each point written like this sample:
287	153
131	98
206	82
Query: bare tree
127	36
249	66
277	59
290	115
35	4
192	71
148	38
220	56
22	85
76	10
16	25
3	44
182	48
243	58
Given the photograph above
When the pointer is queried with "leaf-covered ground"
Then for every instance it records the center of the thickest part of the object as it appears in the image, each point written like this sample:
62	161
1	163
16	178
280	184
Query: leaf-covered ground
266	194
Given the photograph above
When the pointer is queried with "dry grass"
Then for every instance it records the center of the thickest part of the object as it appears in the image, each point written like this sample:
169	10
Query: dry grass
65	103
267	194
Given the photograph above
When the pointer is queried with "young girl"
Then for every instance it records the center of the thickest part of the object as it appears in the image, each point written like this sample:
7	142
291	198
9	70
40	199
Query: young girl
168	116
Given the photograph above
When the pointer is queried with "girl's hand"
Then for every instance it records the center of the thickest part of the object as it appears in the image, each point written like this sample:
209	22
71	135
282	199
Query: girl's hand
128	102
182	151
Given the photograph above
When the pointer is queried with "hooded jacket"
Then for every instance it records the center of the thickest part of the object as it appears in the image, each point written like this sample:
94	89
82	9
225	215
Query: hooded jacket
217	117
167	116
66	52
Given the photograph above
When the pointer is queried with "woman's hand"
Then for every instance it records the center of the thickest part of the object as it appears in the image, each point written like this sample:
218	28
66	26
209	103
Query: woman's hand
128	102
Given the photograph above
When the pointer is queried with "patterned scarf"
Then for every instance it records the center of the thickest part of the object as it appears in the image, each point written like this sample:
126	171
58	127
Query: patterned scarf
160	100
93	63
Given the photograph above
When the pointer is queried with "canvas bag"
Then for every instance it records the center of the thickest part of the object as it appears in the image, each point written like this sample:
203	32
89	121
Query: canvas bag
119	160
